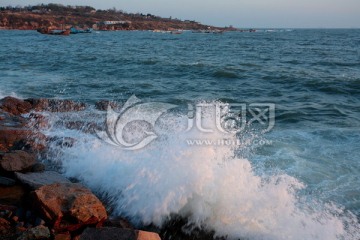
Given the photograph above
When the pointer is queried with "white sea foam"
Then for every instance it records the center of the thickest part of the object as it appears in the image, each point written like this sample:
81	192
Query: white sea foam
208	185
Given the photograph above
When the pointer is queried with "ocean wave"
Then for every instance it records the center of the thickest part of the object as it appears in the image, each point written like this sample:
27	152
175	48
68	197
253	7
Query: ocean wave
210	186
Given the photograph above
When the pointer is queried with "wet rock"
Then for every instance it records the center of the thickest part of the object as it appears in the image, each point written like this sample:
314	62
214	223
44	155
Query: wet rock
15	106
69	206
38	121
38	167
86	127
103	105
39	232
55	105
9	120
62	141
12	195
38	179
7	181
17	160
110	233
13	138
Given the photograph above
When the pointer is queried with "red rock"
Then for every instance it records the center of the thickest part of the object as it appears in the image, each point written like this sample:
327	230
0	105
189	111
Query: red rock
55	105
142	235
15	106
63	236
69	206
21	138
17	161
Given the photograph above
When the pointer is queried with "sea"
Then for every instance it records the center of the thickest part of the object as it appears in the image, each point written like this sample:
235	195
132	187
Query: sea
288	169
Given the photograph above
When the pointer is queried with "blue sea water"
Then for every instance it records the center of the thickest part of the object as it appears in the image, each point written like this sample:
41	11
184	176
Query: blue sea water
312	76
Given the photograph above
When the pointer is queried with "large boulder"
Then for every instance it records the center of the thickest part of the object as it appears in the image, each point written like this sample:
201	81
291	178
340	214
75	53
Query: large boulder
17	160
110	233
15	106
38	179
15	138
69	206
55	105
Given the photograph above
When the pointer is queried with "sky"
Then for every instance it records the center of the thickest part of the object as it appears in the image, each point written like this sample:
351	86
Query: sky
239	13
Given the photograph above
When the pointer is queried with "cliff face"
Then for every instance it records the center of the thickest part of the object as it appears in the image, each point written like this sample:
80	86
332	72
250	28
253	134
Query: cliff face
30	19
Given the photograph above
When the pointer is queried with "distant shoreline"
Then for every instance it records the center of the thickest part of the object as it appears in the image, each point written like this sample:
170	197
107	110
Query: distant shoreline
59	16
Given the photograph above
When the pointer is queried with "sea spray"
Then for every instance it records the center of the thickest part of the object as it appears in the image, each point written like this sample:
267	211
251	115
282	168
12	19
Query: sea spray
210	186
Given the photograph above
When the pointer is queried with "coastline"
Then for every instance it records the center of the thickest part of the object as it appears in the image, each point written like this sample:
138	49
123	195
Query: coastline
38	203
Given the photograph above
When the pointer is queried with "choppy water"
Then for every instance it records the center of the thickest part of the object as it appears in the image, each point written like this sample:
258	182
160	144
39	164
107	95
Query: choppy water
258	191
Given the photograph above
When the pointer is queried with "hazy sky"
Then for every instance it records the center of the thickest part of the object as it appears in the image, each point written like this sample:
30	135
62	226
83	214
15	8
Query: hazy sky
239	13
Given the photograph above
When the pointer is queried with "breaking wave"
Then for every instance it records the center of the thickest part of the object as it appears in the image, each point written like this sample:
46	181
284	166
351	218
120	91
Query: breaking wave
211	186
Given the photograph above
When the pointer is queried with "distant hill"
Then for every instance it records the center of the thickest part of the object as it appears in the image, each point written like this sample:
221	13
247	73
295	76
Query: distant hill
60	16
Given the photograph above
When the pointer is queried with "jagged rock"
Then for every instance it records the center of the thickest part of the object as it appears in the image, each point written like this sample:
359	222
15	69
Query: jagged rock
55	105
17	160
7	181
38	179
11	195
15	106
14	138
110	233
69	206
39	232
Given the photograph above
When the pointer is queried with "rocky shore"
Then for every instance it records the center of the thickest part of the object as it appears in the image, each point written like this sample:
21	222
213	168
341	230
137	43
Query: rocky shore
36	203
59	16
